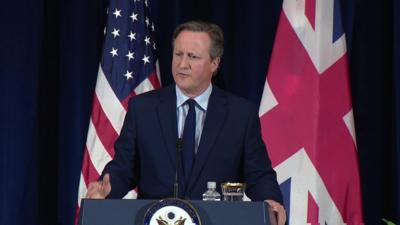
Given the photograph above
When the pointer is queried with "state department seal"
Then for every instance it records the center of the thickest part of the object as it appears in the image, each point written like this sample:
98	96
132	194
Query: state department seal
171	211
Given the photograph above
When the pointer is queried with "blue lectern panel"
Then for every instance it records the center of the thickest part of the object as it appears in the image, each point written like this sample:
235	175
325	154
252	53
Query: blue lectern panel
131	212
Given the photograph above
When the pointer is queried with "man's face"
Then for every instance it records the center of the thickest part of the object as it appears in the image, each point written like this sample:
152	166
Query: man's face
192	66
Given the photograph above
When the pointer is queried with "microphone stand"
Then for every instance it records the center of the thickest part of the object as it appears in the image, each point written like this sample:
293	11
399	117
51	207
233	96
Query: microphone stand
179	144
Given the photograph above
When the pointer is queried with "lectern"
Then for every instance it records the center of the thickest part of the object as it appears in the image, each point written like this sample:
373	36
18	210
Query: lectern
132	212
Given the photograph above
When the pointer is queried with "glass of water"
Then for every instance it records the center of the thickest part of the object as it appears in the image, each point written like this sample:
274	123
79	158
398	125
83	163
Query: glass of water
233	191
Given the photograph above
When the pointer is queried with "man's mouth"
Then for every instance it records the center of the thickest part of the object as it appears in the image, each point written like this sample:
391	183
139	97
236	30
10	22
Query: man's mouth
183	75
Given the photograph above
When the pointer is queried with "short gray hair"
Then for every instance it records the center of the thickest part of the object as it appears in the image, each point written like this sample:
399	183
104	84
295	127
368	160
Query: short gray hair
213	31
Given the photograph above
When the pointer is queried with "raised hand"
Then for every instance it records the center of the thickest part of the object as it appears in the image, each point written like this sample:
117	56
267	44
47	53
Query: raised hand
99	189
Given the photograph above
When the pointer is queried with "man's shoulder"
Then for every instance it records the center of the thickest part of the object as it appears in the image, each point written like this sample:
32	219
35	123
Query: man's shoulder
153	95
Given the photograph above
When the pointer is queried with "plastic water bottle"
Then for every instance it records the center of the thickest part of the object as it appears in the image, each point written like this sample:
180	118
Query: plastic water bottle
211	194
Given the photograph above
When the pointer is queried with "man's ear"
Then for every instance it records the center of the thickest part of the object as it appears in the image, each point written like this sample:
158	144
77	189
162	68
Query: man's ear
215	64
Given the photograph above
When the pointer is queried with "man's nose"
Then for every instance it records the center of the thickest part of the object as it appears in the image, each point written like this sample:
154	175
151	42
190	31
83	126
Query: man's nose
184	62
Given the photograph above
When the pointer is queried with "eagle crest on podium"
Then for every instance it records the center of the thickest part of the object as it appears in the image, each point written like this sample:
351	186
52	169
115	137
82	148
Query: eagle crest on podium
171	211
180	221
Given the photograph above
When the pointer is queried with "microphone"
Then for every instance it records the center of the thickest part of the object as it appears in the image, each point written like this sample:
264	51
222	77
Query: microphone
179	146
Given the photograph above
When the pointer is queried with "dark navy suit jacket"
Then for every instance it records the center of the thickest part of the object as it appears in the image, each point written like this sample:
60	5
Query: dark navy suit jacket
230	149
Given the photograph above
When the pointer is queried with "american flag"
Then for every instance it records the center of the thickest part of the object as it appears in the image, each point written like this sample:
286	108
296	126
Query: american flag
307	118
127	68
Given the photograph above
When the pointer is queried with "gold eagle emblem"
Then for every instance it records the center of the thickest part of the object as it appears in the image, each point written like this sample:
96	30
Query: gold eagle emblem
161	221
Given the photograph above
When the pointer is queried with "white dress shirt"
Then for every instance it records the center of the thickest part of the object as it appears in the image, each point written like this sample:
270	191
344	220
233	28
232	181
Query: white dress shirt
182	109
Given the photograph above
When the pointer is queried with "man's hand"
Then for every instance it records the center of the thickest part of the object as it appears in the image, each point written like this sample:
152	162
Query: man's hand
279	210
99	189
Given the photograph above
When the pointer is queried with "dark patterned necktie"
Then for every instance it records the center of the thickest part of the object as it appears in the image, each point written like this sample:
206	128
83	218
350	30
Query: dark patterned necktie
189	137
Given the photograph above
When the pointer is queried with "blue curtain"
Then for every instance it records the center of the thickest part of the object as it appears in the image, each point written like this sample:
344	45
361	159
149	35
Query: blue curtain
48	67
80	39
372	78
396	60
20	46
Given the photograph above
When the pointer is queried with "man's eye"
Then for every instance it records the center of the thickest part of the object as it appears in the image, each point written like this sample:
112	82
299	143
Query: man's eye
193	56
178	53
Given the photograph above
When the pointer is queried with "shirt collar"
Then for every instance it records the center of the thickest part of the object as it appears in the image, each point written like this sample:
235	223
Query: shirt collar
201	100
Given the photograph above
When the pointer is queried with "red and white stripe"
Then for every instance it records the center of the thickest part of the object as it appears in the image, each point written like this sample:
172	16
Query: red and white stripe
106	121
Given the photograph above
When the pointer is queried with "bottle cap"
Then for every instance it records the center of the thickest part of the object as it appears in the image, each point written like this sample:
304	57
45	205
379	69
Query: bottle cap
211	184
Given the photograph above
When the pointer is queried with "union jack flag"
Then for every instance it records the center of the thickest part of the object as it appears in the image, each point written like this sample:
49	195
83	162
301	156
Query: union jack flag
307	118
127	68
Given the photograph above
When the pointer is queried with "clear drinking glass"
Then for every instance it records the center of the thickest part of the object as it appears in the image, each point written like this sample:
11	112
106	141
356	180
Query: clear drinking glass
233	191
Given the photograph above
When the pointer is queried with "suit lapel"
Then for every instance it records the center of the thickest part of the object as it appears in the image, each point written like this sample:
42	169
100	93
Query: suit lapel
214	121
168	121
167	118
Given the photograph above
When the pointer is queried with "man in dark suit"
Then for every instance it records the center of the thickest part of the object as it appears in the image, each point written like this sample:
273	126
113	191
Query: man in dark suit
219	133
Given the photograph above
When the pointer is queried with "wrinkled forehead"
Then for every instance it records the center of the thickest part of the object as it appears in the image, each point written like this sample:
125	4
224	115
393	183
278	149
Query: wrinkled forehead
192	40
